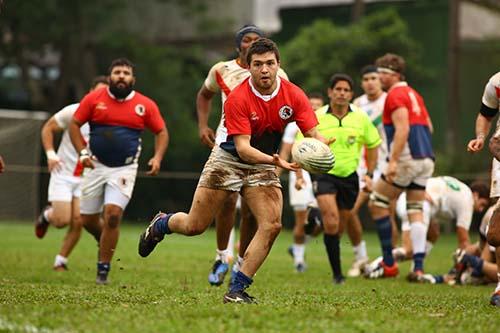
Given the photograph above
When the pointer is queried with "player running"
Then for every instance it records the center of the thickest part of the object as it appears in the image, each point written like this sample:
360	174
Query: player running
256	113
224	76
410	165
65	179
117	117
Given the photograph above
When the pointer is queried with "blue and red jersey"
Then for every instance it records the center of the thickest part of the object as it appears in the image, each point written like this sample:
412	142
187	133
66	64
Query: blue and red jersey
116	125
419	143
264	118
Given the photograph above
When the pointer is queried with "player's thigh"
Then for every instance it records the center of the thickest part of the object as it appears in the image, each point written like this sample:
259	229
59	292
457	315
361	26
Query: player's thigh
92	187
415	204
206	204
265	203
386	189
61	213
75	211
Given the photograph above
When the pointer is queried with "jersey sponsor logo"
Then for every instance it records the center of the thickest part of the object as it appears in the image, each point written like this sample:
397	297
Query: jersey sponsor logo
101	106
285	112
140	110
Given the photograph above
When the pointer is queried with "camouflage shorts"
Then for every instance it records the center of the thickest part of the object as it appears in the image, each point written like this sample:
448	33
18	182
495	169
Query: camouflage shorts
224	171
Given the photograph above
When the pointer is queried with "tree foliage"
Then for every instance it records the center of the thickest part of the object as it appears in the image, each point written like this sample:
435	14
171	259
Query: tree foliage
323	48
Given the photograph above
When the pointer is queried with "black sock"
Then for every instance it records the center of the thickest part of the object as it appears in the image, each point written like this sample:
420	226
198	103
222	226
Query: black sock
332	246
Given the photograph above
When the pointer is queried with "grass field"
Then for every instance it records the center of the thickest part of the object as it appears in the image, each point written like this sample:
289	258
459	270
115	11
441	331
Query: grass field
168	292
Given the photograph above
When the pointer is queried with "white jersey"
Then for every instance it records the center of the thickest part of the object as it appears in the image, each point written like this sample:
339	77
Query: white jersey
224	76
450	199
66	152
491	98
374	110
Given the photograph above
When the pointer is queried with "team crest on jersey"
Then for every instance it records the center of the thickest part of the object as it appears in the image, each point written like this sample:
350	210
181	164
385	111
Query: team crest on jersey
140	109
351	139
286	112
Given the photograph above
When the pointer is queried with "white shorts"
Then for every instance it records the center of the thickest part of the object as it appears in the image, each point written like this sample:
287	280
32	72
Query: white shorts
403	214
495	179
64	188
414	172
104	185
303	198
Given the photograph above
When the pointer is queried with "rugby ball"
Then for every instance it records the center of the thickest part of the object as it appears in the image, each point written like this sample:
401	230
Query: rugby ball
313	155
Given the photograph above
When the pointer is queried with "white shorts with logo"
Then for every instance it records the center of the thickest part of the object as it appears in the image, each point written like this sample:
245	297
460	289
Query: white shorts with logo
104	185
64	188
303	198
413	172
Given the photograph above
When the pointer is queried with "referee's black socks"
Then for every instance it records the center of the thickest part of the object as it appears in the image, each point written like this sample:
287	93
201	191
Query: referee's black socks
332	246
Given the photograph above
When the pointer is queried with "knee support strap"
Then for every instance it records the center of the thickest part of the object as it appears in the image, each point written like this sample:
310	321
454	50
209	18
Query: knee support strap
379	200
414	206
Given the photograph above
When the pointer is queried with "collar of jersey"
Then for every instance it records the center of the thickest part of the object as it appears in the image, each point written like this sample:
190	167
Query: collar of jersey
129	97
399	84
266	98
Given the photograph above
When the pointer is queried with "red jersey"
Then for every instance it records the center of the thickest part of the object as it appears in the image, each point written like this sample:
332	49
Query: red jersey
264	118
419	140
116	125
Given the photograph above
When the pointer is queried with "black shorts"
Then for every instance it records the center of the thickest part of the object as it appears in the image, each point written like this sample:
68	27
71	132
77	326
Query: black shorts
346	188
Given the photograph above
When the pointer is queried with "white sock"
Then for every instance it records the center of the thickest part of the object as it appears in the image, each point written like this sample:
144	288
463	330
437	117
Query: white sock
428	247
298	253
498	284
46	213
237	264
222	255
360	251
230	245
418	233
60	260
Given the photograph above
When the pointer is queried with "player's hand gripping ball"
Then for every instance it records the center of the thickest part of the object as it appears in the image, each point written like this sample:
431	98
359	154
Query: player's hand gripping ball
313	155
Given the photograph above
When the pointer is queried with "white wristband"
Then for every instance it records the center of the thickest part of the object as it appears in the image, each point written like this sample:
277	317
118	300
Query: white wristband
51	155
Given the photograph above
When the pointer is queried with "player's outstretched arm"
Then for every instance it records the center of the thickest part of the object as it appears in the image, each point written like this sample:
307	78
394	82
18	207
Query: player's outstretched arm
314	133
203	107
161	144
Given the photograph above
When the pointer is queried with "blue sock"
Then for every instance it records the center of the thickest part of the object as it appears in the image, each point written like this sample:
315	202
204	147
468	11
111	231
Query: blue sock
241	282
439	279
418	260
476	263
103	267
384	230
161	226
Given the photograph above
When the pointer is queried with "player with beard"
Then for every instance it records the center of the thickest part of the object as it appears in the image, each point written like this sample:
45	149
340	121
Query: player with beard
256	113
117	117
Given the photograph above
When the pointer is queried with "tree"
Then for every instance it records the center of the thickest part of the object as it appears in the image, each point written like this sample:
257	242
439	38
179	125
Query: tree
321	49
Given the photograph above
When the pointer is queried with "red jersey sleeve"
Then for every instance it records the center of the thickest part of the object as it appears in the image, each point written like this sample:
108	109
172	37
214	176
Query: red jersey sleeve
397	99
304	114
237	119
84	112
153	120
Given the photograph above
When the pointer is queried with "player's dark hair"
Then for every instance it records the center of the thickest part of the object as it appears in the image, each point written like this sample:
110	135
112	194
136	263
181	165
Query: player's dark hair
341	77
369	69
315	94
392	61
481	188
99	79
261	46
120	62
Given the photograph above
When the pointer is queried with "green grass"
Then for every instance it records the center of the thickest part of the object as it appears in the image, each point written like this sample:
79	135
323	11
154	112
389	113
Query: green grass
168	292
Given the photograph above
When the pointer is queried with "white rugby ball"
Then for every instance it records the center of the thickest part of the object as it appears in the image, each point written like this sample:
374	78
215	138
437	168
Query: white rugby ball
313	155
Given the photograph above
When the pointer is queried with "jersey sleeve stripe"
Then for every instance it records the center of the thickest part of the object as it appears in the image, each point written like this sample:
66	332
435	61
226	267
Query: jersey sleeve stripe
222	84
